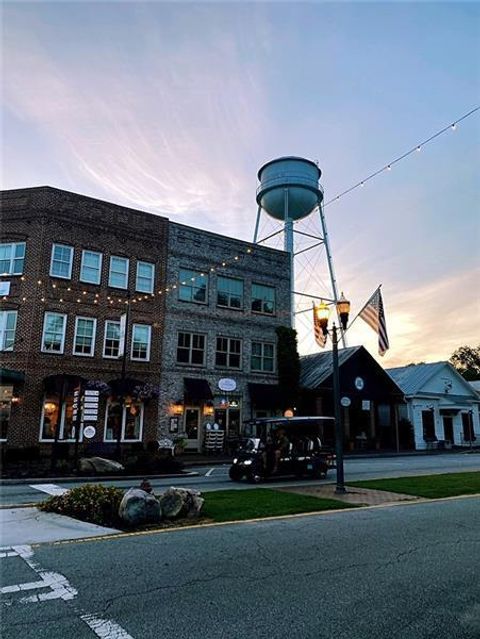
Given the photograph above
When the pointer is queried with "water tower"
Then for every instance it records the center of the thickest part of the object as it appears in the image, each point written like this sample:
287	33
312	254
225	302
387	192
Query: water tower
289	191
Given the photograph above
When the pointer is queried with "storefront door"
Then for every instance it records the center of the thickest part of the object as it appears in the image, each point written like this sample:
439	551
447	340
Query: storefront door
192	428
448	429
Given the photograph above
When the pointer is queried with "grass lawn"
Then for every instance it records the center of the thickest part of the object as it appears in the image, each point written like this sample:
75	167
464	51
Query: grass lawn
430	486
229	505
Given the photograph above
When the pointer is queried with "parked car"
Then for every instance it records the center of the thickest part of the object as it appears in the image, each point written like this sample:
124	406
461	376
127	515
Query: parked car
282	446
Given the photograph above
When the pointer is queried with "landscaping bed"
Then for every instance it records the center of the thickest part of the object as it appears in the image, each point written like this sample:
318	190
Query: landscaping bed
428	486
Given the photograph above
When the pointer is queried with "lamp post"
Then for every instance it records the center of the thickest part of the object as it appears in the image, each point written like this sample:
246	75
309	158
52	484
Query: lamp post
322	313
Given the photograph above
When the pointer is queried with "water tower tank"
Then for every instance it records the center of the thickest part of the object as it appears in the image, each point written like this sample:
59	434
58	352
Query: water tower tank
299	177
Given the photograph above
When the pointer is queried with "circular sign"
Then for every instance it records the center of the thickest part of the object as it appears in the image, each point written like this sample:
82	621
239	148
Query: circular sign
345	402
359	383
89	432
226	384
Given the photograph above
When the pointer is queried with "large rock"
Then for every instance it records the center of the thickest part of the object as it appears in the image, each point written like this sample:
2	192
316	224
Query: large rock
139	507
181	502
99	466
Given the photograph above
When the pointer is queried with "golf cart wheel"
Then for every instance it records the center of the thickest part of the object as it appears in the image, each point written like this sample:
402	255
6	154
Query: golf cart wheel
253	477
235	473
320	472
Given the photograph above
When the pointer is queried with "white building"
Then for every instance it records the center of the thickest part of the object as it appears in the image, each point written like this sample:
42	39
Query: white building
442	406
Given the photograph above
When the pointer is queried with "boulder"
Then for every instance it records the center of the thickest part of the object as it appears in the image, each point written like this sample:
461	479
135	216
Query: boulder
99	466
181	502
139	507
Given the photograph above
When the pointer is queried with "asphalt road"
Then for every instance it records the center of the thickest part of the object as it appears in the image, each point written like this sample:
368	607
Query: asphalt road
403	572
216	477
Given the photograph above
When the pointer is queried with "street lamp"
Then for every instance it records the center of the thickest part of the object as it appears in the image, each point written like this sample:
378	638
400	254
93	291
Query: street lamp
322	313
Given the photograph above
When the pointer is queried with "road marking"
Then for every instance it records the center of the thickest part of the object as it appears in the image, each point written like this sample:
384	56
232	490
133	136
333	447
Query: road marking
208	474
58	588
51	489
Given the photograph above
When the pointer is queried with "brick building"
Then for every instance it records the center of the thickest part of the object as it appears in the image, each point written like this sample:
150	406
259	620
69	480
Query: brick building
201	308
68	265
220	324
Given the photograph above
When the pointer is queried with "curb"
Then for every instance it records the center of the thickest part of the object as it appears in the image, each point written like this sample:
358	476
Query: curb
89	480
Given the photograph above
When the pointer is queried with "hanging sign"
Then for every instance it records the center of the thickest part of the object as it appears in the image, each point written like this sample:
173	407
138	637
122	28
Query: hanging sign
226	384
123	335
365	404
345	402
89	432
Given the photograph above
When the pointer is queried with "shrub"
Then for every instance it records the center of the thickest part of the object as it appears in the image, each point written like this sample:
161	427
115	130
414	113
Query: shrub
94	503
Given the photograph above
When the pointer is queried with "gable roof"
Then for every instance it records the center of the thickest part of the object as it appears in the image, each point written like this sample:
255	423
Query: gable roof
412	378
318	366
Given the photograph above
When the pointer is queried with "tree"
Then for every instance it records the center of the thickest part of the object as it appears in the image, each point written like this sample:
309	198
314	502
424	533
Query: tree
466	360
288	365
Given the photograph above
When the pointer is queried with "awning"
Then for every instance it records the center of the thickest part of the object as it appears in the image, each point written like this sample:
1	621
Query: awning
265	395
9	376
55	384
196	390
121	387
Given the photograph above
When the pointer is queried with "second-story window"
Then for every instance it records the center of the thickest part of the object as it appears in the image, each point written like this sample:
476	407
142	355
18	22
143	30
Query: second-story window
118	276
229	292
263	357
141	337
111	344
193	286
145	277
53	337
8	325
91	267
228	352
263	299
191	348
61	261
84	340
12	257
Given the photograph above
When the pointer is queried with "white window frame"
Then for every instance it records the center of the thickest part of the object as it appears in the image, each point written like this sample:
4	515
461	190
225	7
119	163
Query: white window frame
110	321
152	284
125	259
12	257
3	324
70	266
62	348
62	425
82	264
89	319
141	359
262	357
124	424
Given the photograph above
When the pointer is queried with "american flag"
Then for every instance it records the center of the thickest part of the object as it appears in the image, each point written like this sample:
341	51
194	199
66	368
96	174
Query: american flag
373	313
320	338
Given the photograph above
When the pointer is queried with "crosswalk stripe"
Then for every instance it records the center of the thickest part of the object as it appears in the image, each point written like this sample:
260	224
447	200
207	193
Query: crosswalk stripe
51	489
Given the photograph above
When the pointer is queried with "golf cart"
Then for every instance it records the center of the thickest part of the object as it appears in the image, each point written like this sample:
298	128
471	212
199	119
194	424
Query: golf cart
299	453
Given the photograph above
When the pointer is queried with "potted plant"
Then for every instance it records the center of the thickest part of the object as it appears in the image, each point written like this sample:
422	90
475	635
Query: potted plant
180	443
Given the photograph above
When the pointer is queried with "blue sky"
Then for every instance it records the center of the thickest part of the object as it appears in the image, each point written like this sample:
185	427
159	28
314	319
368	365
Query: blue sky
173	107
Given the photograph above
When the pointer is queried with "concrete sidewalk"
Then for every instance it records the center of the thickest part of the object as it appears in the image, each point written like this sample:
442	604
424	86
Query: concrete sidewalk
30	526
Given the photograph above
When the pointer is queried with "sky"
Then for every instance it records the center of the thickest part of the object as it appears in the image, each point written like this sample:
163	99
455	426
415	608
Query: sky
172	107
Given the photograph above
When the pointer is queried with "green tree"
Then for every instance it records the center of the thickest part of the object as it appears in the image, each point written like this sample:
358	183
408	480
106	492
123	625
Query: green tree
288	365
466	360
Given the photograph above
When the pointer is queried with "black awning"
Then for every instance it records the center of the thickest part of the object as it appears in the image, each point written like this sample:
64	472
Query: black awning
56	384
125	386
196	390
9	376
265	395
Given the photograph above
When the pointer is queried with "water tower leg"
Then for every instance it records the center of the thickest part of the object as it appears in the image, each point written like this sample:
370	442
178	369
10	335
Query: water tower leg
331	270
288	246
257	224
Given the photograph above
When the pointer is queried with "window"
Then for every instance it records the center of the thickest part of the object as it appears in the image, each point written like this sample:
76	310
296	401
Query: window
118	276
8	325
84	340
145	277
128	418
191	348
141	336
55	417
467	427
12	257
262	357
229	292
91	267
61	262
228	352
6	396
111	344
53	338
428	424
263	299
193	286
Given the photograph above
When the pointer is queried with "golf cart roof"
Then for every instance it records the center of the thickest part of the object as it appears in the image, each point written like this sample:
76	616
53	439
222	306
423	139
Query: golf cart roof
289	420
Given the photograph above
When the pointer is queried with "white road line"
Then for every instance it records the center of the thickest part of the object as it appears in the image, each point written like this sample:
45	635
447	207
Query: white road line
208	474
104	628
51	489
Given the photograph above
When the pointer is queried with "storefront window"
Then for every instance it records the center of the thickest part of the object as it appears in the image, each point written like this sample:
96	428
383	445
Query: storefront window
128	418
6	394
53	418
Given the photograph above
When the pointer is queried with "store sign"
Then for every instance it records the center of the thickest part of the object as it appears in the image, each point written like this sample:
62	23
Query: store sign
227	385
345	402
89	432
365	404
4	288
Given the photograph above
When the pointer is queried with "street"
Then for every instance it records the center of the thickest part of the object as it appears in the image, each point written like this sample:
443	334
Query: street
407	572
216	477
